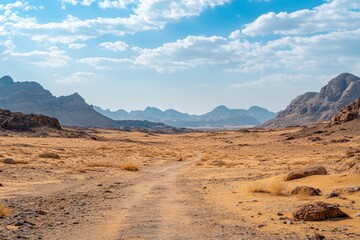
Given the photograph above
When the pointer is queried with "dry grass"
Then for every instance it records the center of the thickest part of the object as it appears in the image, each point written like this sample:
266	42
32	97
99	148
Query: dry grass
101	164
5	211
22	161
129	167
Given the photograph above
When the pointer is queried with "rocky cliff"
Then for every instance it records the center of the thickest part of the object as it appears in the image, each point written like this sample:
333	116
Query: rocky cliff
315	107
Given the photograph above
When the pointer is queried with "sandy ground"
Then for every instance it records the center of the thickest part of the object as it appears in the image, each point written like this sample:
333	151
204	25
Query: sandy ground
189	186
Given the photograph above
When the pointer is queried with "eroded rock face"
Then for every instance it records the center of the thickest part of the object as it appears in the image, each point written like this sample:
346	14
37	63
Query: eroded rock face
24	122
318	211
314	107
310	191
318	170
347	113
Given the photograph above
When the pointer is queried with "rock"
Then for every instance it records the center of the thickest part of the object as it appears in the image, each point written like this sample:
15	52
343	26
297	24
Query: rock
318	170
310	191
318	211
49	155
8	161
332	194
338	191
25	122
348	113
316	236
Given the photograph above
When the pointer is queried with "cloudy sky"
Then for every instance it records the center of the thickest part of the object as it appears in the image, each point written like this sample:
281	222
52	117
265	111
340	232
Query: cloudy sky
191	55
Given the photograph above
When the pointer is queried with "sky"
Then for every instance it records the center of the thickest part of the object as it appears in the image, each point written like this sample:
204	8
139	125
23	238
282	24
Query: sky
189	55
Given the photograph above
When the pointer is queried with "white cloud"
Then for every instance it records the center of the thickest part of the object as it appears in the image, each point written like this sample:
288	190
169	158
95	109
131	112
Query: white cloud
117	46
333	15
103	63
8	44
52	57
78	77
61	39
280	80
76	45
120	4
146	15
325	51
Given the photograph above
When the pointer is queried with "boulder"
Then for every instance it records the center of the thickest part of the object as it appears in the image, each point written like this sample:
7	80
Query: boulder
318	211
24	122
310	191
317	170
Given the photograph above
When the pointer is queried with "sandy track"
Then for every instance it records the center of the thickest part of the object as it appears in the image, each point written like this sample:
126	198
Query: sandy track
151	206
162	203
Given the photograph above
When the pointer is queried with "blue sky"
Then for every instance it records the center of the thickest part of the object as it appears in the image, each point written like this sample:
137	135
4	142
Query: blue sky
190	55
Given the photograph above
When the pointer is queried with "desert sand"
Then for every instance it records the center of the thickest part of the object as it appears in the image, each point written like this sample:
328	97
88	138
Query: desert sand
202	185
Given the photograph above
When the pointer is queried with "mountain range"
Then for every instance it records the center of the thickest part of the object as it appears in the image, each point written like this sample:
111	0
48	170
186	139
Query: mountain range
31	97
313	107
221	116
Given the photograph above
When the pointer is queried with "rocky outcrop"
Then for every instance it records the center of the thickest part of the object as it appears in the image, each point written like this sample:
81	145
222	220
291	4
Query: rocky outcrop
315	107
310	191
318	211
32	98
301	173
23	122
347	113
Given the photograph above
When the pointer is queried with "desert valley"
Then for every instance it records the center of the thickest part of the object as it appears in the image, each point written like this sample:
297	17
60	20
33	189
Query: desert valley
266	182
179	120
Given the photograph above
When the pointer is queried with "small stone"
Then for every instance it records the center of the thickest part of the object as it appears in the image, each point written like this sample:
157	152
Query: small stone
8	161
310	191
332	194
316	236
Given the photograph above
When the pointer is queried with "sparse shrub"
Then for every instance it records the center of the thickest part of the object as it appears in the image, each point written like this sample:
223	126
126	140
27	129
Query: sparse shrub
129	167
49	155
5	211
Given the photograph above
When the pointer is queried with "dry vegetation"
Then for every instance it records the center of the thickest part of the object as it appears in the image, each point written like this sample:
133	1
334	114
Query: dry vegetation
129	167
232	178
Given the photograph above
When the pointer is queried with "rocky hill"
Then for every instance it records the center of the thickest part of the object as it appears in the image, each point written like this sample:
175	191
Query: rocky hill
25	122
347	113
32	98
221	116
315	107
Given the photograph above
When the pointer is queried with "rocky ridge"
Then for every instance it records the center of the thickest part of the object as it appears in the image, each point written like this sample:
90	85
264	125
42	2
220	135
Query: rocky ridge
315	107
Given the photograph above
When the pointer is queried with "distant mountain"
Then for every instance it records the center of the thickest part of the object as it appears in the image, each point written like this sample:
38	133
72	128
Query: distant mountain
221	116
31	97
314	107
